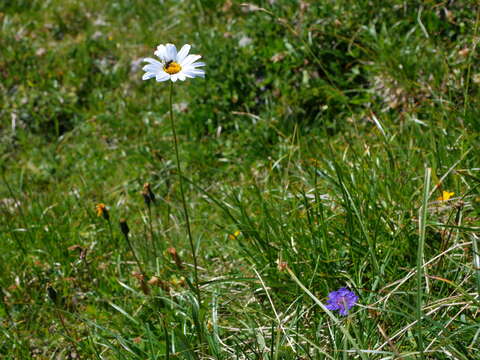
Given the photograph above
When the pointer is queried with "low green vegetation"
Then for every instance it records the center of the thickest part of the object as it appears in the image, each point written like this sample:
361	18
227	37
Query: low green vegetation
332	144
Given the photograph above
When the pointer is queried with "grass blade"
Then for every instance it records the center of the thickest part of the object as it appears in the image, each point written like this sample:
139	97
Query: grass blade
420	255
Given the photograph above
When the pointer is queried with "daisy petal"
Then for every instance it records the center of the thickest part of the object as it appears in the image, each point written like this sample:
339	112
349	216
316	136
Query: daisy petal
181	77
148	76
152	61
152	68
163	76
161	52
194	73
189	60
188	72
171	52
182	54
174	77
198	64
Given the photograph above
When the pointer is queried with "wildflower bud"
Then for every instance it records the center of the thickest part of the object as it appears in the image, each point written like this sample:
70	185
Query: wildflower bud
102	211
173	253
124	227
156	281
464	52
281	265
148	194
138	275
143	285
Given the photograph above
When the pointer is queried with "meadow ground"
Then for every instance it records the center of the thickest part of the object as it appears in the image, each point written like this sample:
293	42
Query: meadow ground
331	144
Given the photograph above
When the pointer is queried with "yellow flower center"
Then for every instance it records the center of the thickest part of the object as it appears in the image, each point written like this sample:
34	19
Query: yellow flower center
172	67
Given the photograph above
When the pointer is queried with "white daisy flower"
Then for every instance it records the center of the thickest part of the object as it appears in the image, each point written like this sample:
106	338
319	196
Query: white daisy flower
172	65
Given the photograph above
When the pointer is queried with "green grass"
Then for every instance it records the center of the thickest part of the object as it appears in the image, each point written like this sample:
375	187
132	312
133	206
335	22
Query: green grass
322	136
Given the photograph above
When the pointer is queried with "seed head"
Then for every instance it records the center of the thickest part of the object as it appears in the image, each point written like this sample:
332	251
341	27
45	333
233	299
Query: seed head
148	194
52	294
173	253
281	265
124	227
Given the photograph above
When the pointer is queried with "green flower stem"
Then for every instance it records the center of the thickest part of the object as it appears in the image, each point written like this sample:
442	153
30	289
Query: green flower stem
150	227
185	210
129	243
110	231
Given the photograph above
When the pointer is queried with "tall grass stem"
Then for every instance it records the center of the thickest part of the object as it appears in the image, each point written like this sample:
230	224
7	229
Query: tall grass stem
420	255
476	260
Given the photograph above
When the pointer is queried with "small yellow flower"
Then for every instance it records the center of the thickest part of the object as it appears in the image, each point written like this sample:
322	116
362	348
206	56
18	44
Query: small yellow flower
235	235
445	196
102	211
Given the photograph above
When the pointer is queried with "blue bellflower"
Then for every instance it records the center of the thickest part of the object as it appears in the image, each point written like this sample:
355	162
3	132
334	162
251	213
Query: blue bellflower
341	300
